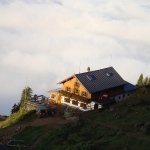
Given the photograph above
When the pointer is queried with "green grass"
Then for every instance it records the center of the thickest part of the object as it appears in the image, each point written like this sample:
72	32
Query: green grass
126	127
16	117
34	132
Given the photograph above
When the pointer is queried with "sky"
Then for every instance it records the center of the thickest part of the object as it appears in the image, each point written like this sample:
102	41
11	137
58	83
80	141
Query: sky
44	41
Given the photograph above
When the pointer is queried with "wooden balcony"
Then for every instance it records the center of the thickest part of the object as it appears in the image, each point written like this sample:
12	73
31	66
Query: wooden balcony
74	96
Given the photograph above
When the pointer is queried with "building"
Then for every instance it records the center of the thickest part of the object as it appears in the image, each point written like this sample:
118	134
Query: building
92	89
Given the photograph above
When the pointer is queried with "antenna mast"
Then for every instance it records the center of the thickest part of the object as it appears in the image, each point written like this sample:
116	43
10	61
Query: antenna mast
110	63
79	66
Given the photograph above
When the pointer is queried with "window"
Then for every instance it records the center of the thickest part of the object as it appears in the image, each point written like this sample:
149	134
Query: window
53	96
67	100
91	77
108	74
76	84
76	91
68	89
84	94
75	102
83	106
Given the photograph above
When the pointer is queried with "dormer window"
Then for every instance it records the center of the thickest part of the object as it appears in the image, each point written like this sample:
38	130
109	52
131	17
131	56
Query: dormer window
91	77
108	74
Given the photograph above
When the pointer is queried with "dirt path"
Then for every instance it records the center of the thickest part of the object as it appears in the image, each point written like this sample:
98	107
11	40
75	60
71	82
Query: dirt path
50	121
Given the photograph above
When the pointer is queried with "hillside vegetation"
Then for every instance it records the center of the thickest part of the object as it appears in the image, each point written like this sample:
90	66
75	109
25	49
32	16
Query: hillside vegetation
16	117
125	126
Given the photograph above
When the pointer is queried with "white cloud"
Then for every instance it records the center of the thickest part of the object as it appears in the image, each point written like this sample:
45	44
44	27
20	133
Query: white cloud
42	41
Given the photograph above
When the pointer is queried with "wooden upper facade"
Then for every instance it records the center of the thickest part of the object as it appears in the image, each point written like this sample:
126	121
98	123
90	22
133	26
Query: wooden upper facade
74	86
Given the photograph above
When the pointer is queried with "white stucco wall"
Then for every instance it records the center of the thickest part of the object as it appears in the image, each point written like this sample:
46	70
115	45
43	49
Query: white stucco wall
90	106
121	97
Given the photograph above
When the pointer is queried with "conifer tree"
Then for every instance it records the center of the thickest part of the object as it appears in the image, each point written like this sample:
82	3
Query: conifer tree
146	81
26	96
140	81
15	108
149	81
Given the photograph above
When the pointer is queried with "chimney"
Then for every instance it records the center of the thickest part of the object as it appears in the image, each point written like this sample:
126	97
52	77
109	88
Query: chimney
88	69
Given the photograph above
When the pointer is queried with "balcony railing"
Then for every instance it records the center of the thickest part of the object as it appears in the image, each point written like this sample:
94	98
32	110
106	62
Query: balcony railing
74	96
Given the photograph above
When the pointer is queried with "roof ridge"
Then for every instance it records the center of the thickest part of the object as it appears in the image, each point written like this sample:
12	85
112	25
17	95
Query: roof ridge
93	71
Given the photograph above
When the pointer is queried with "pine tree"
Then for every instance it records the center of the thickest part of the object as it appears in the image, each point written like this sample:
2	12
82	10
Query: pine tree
149	81
15	108
26	96
146	81
140	81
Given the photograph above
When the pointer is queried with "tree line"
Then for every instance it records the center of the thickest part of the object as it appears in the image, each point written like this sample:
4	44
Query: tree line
143	81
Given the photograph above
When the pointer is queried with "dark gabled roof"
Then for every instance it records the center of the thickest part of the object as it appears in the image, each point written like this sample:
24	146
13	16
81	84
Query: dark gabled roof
99	80
129	87
95	81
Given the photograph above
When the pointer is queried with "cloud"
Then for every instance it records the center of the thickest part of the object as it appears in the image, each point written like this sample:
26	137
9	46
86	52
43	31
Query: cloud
39	2
44	41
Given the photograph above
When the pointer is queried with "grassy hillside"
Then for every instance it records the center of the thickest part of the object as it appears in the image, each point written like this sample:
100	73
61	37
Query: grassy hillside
14	118
125	126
